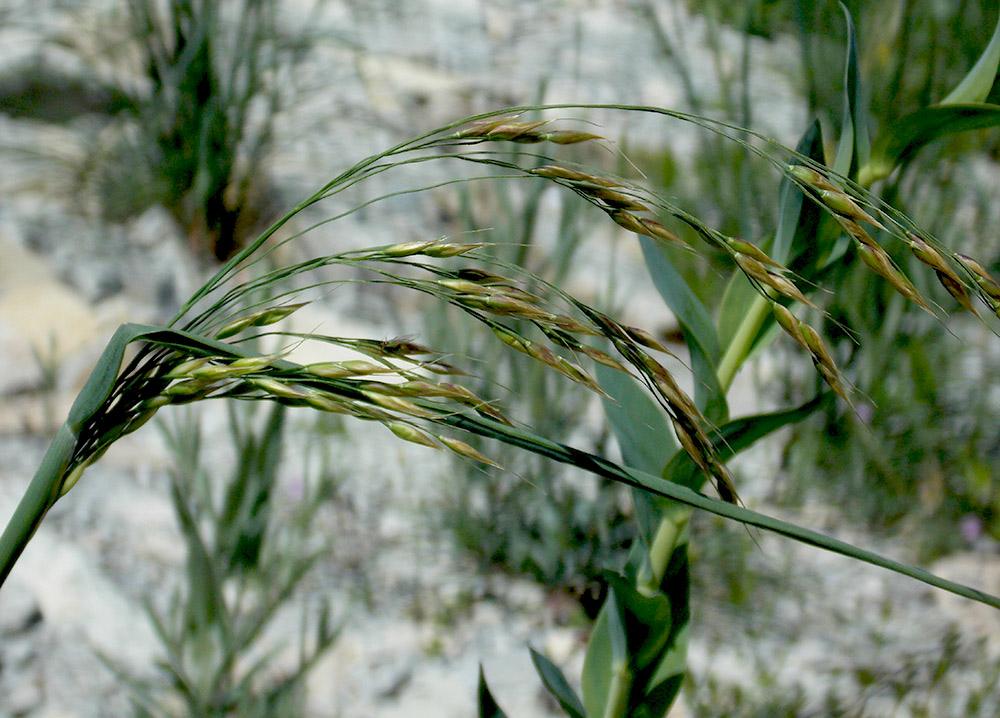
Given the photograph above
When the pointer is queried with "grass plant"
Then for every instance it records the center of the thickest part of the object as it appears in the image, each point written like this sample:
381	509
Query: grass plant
673	441
246	554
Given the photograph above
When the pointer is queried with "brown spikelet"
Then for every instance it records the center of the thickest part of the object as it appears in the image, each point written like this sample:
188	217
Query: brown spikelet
569	137
957	290
756	270
691	448
787	321
857	232
613	199
880	262
983	278
479	128
844	205
602	358
753	251
628	220
517	131
809	176
929	256
724	482
463	449
575	177
657	231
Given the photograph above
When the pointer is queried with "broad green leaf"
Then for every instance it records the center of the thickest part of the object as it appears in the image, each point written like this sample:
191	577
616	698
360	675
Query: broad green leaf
661	698
647	620
976	85
557	685
638	422
488	707
898	143
644	435
596	678
699	331
854	146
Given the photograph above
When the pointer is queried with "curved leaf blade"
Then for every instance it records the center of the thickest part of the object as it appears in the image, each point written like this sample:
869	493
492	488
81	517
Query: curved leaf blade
556	683
976	85
898	144
854	147
488	707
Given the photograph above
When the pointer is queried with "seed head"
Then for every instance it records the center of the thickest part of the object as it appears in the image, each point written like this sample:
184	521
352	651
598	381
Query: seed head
394	403
439	250
279	389
184	369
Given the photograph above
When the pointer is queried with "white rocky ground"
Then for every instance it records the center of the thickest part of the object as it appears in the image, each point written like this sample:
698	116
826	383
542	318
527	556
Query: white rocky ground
413	649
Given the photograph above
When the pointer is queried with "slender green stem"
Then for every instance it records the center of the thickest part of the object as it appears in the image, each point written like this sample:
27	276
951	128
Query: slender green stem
666	539
739	347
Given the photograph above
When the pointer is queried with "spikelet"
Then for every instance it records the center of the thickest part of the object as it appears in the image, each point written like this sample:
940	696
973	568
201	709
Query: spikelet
844	205
982	278
654	229
751	250
787	321
463	449
257	319
756	270
834	197
945	274
880	262
809	176
411	434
